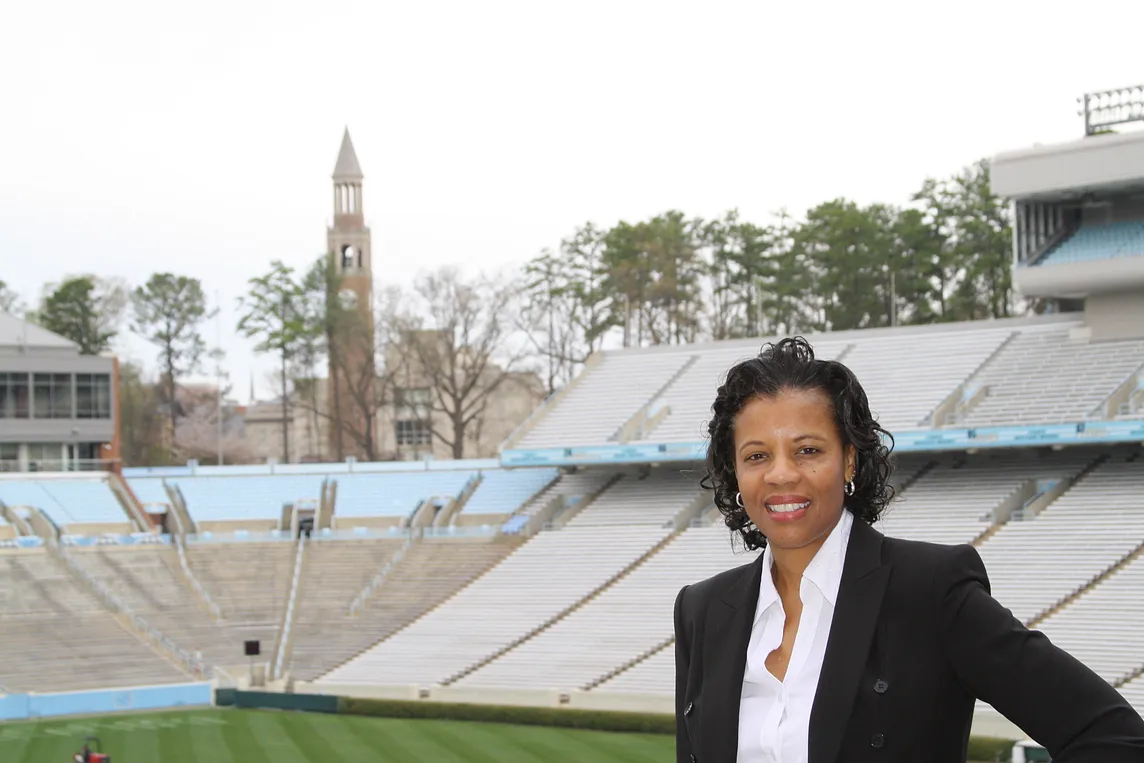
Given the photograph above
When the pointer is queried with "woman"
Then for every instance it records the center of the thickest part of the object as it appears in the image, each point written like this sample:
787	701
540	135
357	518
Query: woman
838	644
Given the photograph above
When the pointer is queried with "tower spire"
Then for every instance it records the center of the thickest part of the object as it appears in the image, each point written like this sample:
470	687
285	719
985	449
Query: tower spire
347	167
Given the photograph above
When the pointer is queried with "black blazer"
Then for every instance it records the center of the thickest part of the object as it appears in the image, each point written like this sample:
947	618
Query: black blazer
916	637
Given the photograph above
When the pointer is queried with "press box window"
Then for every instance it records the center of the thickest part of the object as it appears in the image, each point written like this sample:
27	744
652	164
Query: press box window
13	396
92	396
52	396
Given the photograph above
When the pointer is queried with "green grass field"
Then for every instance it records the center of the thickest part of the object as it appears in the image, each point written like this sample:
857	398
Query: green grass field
254	736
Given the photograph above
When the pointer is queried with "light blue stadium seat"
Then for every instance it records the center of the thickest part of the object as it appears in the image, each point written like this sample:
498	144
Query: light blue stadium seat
395	493
502	491
1099	242
149	489
246	497
66	501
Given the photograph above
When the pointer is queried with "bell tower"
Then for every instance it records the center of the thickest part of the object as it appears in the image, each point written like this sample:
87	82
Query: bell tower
352	351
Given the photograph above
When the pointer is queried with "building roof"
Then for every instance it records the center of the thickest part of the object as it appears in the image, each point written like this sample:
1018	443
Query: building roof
17	332
347	167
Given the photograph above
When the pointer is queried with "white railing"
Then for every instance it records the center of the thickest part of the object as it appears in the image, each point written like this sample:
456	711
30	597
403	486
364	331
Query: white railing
188	574
288	620
153	635
360	600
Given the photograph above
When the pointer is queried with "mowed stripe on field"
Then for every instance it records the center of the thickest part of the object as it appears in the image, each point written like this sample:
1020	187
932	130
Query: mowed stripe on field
256	736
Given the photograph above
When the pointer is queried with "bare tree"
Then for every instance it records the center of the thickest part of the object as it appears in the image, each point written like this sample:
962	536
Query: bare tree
460	346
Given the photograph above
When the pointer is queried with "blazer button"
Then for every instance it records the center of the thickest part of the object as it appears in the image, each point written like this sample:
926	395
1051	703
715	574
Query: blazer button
878	741
881	685
687	710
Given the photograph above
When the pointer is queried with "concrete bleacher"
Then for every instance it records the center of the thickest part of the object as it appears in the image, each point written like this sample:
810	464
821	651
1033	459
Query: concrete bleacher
604	398
147	581
503	491
55	636
957	502
1104	627
66	499
686	403
546	575
1094	242
655	675
1044	376
1133	691
1035	563
425	574
249	581
333	573
619	624
568	491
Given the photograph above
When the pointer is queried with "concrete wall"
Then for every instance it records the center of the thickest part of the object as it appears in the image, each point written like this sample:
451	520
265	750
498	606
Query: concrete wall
1102	162
1116	316
15	707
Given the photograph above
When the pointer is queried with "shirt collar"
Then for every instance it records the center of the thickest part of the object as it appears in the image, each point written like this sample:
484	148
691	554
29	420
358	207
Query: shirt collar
824	571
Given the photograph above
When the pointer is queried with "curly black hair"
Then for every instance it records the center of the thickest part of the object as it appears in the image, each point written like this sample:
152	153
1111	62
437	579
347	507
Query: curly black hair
790	365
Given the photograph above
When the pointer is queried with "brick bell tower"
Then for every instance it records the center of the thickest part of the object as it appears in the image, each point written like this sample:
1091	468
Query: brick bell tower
352	356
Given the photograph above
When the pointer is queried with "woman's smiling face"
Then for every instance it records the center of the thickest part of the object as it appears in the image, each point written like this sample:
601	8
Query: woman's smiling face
791	467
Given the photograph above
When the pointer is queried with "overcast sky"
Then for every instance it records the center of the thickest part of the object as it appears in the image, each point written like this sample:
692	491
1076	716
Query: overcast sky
137	138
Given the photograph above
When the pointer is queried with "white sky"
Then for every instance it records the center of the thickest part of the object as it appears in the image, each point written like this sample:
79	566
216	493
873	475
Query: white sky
136	138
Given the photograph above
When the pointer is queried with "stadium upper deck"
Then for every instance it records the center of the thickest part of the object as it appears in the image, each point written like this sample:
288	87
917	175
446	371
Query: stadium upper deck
921	380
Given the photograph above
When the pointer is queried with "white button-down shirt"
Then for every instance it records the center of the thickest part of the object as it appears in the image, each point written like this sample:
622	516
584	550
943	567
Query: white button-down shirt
774	716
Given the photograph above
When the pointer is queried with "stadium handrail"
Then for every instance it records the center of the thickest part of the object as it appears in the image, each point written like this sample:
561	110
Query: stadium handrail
180	549
1128	385
379	578
153	635
288	619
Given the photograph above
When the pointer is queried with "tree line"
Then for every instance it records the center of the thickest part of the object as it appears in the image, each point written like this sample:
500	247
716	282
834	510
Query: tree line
670	279
674	279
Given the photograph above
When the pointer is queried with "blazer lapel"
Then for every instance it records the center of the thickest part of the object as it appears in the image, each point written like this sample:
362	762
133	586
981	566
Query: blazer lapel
729	621
864	579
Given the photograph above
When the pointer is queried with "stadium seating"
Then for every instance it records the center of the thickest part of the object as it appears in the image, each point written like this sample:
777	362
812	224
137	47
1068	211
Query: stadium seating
631	618
146	579
1035	563
1104	627
395	494
333	573
655	675
549	573
149	491
261	496
425	574
602	399
56	637
687	401
66	500
503	491
907	376
955	503
250	582
1133	691
1099	242
213	498
1043	377
569	490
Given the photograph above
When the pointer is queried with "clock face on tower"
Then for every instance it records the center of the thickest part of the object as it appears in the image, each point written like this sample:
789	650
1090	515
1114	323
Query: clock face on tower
348	299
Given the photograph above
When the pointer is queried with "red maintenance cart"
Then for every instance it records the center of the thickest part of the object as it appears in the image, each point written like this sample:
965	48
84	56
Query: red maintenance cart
92	752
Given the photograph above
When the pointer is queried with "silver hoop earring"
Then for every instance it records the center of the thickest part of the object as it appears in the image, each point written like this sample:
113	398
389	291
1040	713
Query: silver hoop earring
850	487
739	500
